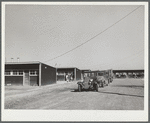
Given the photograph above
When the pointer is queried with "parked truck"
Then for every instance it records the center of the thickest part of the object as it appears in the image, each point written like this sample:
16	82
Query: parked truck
103	77
107	74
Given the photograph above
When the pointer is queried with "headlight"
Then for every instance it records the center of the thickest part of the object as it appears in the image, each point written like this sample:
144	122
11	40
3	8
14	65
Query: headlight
91	80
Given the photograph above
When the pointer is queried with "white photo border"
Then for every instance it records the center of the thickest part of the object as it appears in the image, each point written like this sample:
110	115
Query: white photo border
76	115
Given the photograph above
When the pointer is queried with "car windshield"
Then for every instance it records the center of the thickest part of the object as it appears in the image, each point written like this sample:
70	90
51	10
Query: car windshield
100	74
86	79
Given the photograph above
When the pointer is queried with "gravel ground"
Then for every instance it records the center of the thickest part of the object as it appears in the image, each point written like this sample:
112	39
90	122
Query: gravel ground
122	94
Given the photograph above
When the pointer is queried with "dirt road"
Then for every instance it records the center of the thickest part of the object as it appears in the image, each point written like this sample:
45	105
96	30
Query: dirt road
122	94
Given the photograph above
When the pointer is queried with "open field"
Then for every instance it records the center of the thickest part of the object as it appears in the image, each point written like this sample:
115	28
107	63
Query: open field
122	94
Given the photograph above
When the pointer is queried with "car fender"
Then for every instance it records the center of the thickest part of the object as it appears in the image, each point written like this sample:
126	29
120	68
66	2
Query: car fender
80	83
95	82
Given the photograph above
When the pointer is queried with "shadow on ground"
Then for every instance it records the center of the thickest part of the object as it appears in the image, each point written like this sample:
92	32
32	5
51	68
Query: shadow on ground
121	94
129	86
85	90
76	90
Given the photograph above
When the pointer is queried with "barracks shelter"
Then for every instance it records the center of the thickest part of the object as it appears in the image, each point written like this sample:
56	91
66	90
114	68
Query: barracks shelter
29	74
73	71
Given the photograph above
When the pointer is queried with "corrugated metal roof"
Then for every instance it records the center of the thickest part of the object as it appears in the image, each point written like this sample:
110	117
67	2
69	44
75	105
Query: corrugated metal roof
85	69
31	62
131	70
65	67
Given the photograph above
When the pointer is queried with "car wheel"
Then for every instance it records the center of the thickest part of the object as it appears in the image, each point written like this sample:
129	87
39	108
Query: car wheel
102	84
79	88
96	88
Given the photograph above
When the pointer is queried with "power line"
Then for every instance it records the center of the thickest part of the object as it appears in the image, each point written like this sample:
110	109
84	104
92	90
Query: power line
94	36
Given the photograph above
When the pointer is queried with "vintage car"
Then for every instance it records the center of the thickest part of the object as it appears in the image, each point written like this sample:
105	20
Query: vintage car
100	80
88	83
106	76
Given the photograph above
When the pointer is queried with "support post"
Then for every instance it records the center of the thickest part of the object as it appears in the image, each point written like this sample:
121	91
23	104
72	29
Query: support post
56	75
75	74
40	74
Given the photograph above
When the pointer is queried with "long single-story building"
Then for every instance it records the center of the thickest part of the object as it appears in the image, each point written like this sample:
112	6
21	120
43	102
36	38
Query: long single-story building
73	71
29	74
129	73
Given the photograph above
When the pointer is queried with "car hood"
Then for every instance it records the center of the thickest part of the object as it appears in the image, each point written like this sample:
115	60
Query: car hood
100	77
80	82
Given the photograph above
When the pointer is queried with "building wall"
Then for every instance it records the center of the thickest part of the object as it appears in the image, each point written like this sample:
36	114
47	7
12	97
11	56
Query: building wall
34	80
22	66
78	74
13	80
128	73
61	73
61	78
19	79
48	74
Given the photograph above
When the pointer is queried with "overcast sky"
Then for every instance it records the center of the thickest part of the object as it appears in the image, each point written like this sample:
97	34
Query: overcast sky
43	32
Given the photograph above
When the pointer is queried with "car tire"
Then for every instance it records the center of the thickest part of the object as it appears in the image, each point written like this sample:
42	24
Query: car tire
79	88
102	85
96	87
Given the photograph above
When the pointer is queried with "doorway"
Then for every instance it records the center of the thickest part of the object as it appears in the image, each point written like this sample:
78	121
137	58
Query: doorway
26	78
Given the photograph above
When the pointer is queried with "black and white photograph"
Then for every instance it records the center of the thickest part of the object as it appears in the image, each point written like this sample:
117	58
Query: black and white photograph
74	61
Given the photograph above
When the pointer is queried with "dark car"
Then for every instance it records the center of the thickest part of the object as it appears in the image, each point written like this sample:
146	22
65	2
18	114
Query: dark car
100	80
106	76
88	83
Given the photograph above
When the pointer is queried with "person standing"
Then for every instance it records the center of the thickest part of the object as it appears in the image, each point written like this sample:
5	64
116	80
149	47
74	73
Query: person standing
67	78
71	77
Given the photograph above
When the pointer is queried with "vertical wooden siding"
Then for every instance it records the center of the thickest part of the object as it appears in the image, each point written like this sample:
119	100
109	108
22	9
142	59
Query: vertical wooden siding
48	74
